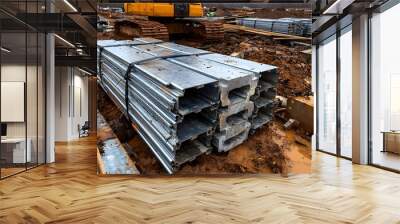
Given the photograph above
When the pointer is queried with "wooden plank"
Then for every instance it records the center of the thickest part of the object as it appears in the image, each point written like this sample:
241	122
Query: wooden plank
302	110
265	33
100	164
308	51
289	38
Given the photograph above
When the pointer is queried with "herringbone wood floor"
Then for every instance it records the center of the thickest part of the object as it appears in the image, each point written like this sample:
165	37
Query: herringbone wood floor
70	192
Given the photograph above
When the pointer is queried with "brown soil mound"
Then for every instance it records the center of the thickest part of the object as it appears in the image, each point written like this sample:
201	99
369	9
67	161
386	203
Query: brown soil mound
259	154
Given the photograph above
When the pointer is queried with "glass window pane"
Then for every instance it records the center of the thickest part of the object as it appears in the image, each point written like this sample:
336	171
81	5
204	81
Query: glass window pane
14	153
41	98
327	96
23	86
32	96
385	92
346	93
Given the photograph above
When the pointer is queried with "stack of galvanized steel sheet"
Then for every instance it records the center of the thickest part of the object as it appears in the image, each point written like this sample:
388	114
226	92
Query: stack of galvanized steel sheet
265	92
183	100
292	26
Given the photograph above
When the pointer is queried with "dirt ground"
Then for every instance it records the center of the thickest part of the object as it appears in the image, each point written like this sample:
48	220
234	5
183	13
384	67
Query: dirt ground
271	149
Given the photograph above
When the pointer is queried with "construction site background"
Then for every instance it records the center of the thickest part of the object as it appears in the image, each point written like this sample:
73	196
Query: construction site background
275	148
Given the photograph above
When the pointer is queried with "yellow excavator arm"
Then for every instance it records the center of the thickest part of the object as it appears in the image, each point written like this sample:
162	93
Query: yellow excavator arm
165	9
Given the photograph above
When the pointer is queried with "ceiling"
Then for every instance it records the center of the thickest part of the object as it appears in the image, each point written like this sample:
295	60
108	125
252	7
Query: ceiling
21	21
328	16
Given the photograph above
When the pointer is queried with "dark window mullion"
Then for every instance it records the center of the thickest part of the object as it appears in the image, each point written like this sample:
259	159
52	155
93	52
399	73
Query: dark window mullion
0	95
26	87
317	96
45	88
37	90
338	94
369	79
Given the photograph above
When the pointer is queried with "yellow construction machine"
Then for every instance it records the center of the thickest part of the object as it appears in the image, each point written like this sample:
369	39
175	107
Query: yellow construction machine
159	20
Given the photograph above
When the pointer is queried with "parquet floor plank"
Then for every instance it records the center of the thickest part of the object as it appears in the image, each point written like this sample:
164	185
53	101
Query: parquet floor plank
69	191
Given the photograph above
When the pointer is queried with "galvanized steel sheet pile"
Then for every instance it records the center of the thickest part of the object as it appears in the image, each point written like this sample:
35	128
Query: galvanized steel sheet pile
184	101
292	26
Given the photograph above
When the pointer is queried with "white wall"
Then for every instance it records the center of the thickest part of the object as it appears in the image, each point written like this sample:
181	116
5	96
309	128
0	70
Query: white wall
11	73
71	102
61	103
81	82
33	127
15	72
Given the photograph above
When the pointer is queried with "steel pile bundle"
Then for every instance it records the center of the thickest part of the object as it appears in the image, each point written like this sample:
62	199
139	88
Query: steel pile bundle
265	92
182	100
292	26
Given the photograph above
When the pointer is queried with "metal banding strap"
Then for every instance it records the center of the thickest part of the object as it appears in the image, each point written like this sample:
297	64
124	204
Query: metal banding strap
127	90
99	64
132	44
101	48
133	66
